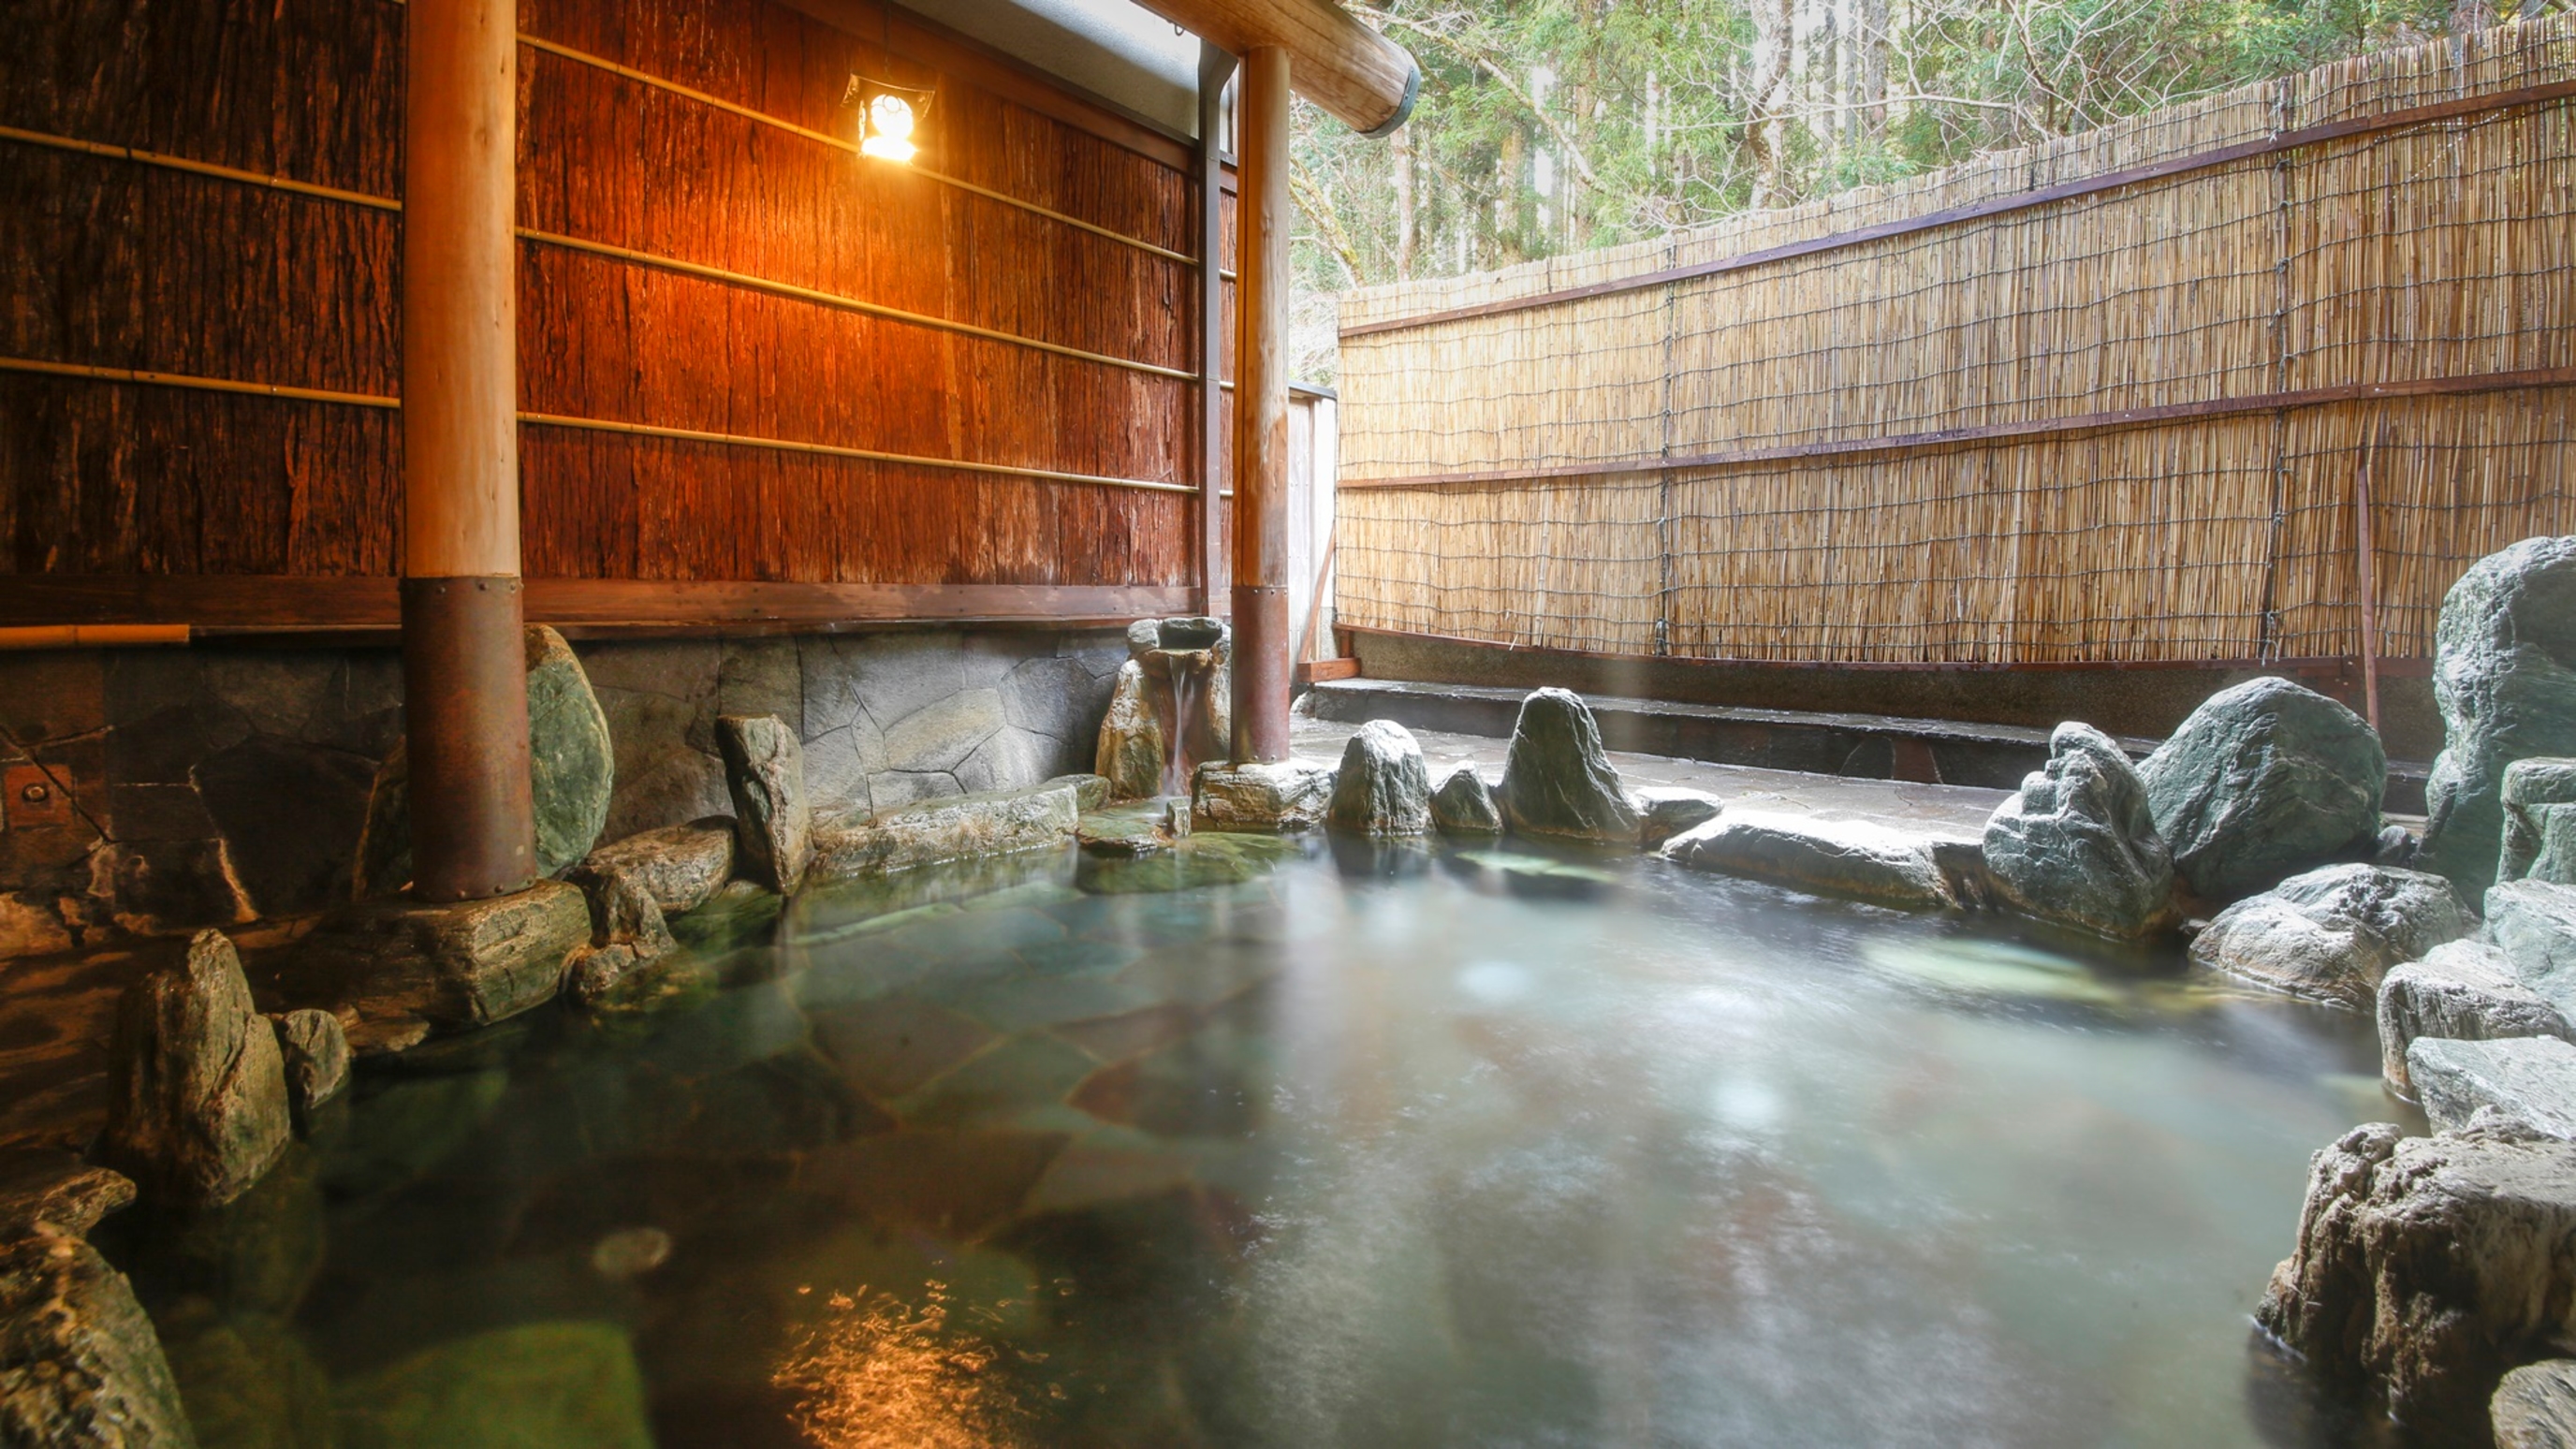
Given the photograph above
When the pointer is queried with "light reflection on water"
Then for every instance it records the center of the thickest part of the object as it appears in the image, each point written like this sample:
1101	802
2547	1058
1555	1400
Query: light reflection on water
1357	1144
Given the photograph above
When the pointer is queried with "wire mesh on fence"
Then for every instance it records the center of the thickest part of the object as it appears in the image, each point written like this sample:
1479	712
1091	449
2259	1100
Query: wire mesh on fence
1924	443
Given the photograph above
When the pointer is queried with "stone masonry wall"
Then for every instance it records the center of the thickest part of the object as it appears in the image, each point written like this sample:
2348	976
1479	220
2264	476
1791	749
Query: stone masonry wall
157	790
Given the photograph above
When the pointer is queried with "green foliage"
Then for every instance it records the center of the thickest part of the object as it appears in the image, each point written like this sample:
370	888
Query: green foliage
1548	126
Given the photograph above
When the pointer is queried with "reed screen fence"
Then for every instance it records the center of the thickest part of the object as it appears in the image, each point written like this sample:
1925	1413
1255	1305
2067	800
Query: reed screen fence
2167	391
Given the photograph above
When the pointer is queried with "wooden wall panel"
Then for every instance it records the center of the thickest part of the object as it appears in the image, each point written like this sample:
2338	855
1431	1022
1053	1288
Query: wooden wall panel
108	263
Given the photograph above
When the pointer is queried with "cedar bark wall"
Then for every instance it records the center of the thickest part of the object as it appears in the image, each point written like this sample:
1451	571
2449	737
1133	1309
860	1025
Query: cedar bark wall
111	263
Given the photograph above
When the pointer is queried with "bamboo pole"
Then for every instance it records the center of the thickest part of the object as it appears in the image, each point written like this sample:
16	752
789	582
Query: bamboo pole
2369	589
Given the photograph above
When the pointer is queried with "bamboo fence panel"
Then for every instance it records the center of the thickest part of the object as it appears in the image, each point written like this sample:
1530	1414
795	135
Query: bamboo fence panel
1604	472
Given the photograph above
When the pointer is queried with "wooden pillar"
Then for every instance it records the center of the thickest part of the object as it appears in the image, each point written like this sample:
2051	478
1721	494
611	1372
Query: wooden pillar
1215	68
465	695
1260	666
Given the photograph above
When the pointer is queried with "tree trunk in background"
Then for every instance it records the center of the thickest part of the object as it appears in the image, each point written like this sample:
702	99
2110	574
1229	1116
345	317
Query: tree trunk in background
1873	40
1764	150
1408	230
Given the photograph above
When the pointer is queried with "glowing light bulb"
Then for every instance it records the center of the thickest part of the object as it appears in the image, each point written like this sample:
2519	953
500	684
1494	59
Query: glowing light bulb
889	134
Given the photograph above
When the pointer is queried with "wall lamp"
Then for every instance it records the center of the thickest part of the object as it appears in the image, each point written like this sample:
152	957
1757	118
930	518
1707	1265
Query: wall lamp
888	116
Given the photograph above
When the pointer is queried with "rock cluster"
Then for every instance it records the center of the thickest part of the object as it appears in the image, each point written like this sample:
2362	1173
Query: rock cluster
2078	845
2263	780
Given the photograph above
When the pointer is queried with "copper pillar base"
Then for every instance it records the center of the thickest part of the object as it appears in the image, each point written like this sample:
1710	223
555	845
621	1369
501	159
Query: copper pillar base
465	721
1261	678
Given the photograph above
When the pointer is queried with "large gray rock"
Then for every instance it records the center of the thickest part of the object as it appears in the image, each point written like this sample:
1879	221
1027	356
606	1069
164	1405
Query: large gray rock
1256	798
463	965
1838	857
571	772
679	866
2539	804
2535	1406
2504	676
1465	805
773	821
2262	781
316	1052
2332	934
2532	1078
1558	780
1383	787
2428	1266
80	1367
954	827
2078	845
197	1107
2534	923
2461	991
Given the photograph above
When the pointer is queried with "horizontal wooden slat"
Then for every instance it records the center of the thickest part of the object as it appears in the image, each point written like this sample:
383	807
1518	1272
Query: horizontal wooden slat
253	603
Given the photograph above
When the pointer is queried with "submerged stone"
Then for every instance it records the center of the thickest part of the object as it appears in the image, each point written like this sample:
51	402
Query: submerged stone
2333	933
773	821
2461	991
2504	677
1290	794
1383	787
953	827
1837	857
197	1105
1558	779
2539	803
1465	805
571	771
316	1053
2265	779
561	1385
2535	1406
2078	845
2529	1078
2428	1266
80	1367
468	964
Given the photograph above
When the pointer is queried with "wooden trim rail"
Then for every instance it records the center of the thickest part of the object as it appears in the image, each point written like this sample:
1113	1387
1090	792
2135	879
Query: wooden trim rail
625	254
289	604
2121	419
1996	206
597	425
